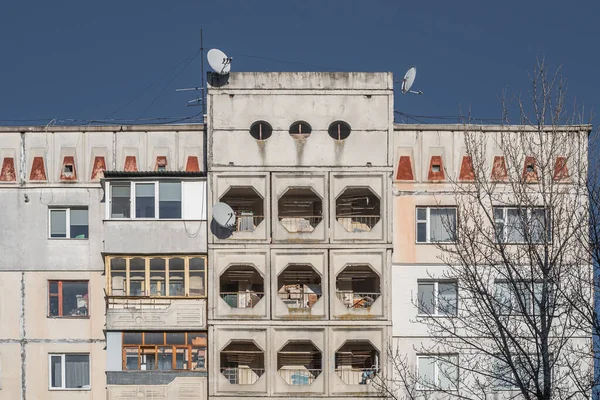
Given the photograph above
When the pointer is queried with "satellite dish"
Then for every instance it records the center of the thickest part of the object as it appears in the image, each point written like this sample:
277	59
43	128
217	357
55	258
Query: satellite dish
219	61
409	79
224	215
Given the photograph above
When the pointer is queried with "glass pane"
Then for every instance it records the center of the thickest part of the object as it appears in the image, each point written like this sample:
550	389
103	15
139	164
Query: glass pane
131	358
58	223
75	299
197	339
132	338
426	367
181	358
197	277
154	338
448	372
498	213
120	200
54	310
502	296
148	361
79	223
144	200
426	298
165	358
421	214
421	232
447	298
175	338
117	276
199	358
176	277
442	222
157	277
514	226
536	225
137	276
77	370
53	287
56	371
169	200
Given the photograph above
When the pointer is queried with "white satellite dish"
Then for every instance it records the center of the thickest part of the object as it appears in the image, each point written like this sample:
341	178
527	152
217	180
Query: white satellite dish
219	61
224	215
409	79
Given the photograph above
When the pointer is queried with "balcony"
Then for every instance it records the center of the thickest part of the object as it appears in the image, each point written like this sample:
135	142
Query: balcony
154	313
300	210
299	363
248	206
242	362
299	287
357	362
241	286
358	287
357	210
177	385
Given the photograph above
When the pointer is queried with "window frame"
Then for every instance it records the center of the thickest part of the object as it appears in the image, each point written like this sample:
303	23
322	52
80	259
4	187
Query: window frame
64	374
147	280
143	346
436	360
67	210
132	199
60	297
427	222
528	211
531	298
436	296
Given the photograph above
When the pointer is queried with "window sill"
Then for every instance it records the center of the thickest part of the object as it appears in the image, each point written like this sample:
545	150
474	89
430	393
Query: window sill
435	316
68	317
153	219
435	243
76	239
83	389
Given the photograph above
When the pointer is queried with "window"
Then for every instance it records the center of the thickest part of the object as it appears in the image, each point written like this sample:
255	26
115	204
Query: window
70	223
68	299
69	371
504	378
437	298
174	276
437	372
261	130
522	225
522	297
158	200
164	351
436	224
339	130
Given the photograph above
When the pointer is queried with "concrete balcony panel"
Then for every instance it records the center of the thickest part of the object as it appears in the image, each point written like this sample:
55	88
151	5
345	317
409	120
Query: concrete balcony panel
155	314
155	236
156	385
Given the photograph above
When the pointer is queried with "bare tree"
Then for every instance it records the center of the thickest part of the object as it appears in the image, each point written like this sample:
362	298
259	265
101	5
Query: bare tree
520	263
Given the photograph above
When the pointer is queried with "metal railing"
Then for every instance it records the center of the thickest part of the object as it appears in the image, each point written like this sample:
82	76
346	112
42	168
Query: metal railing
358	223
356	376
144	302
299	300
302	223
242	375
357	299
242	299
247	222
299	376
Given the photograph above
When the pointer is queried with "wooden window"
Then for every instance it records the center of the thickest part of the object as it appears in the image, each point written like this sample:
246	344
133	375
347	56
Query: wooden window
164	351
156	276
68	299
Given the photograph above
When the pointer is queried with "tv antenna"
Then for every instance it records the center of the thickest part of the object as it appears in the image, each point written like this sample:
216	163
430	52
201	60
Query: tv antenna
200	99
224	215
409	79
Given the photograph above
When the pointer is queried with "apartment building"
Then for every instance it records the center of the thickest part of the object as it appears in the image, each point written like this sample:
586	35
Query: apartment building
300	305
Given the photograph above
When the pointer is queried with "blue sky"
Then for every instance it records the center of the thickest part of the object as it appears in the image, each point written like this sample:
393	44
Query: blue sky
81	60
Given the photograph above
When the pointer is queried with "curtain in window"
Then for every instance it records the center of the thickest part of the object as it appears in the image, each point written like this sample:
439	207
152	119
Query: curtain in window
426	298
77	370
58	223
514	226
79	223
447	298
56	371
442	224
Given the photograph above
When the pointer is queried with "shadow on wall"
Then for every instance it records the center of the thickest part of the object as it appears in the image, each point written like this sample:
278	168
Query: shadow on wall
219	231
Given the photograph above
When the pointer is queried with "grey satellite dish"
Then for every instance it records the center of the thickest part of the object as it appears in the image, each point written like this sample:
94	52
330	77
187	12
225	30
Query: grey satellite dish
219	61
224	215
409	79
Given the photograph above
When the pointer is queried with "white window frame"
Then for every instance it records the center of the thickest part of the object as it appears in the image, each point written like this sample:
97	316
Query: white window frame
132	200
513	296
436	297
436	371
68	217
504	219
427	222
63	371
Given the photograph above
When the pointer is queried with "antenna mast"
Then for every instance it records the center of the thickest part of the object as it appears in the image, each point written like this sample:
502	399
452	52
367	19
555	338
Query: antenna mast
203	78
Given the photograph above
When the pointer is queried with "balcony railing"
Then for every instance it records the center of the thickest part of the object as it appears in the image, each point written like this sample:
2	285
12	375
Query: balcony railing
356	376
299	376
300	224
242	299
358	223
138	302
242	375
357	299
247	222
299	300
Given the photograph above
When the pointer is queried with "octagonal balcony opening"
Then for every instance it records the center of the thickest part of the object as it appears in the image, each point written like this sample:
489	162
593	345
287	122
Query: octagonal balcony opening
358	209
300	210
241	286
242	362
357	362
299	286
248	206
299	362
358	286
